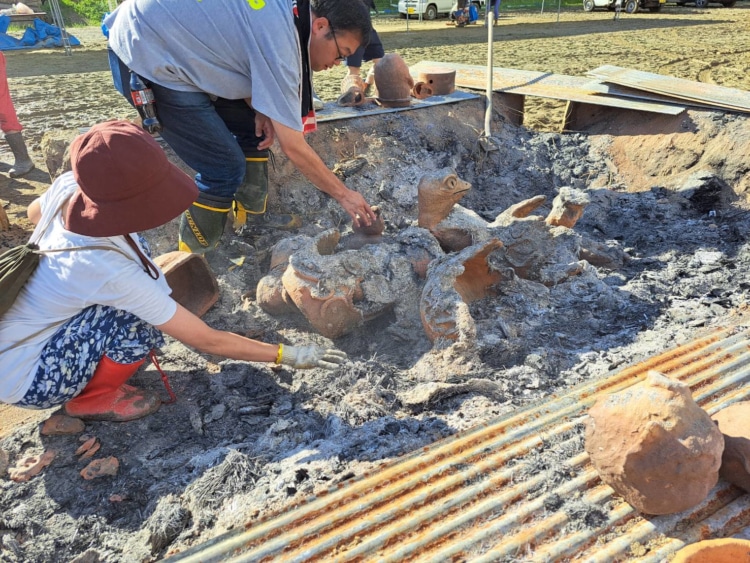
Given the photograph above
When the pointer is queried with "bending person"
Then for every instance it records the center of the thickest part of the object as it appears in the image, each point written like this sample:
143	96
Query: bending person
372	52
228	76
88	317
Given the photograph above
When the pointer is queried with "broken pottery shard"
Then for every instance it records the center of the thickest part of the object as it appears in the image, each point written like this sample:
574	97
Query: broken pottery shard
90	452
89	448
520	210
325	298
393	81
375	228
338	288
29	466
352	91
193	284
567	207
86	446
59	424
421	91
365	234
536	250
734	423
270	293
101	468
453	283
654	445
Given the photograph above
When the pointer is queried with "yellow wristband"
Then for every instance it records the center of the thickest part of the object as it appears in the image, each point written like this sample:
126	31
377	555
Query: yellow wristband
279	354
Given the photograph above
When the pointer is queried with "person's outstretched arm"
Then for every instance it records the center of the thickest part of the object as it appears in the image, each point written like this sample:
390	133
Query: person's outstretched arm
192	331
308	162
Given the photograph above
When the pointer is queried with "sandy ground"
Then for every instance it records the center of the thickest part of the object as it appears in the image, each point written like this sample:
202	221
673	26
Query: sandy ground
629	155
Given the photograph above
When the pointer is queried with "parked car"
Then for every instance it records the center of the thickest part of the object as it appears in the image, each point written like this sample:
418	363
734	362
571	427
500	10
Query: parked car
430	9
628	6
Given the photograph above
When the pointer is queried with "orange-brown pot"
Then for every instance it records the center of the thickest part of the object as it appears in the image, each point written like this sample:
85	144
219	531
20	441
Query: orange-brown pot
728	550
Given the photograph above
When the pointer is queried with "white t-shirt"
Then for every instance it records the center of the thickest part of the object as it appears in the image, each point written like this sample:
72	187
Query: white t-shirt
64	284
234	49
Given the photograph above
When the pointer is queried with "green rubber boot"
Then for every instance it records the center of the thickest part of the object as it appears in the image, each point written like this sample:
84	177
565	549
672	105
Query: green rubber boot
252	196
202	224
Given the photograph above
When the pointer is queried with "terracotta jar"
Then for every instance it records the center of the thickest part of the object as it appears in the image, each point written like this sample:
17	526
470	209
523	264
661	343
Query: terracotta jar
728	550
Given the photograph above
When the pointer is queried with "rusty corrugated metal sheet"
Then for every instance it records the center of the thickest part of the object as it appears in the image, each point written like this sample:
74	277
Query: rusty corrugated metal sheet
545	85
518	489
712	95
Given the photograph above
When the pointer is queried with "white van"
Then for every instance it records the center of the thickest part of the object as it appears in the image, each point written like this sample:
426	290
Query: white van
431	9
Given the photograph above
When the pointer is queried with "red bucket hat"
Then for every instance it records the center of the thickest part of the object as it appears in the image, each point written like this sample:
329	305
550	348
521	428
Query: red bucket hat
125	182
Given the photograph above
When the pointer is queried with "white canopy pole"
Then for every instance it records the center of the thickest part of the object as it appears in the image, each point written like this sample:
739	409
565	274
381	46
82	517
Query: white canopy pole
489	20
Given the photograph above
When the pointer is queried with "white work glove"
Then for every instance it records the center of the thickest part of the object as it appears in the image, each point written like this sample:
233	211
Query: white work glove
307	357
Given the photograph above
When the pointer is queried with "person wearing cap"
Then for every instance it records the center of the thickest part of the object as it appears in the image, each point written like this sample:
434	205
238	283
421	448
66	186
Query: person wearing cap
88	317
228	77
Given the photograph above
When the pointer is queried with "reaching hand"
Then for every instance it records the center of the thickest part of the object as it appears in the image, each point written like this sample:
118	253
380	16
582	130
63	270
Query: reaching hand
306	357
357	208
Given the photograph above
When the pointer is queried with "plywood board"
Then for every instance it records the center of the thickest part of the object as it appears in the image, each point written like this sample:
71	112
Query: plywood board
711	95
543	85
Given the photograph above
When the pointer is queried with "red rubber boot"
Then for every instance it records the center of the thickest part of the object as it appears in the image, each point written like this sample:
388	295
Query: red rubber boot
107	398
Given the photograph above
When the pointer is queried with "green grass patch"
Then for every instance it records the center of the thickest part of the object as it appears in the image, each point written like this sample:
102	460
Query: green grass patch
83	12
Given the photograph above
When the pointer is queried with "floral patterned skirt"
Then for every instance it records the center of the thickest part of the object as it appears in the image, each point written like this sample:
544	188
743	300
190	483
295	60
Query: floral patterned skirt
70	358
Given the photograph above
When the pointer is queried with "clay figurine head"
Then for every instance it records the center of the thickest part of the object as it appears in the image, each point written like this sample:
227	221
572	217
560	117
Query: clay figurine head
437	193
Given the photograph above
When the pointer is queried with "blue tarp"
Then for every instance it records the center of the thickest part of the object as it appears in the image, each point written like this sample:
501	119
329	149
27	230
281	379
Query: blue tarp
37	36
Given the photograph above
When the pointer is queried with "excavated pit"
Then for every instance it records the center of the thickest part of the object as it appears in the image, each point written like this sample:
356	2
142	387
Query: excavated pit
667	257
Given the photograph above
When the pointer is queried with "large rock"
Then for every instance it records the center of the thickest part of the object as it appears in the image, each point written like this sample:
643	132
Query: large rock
734	423
654	445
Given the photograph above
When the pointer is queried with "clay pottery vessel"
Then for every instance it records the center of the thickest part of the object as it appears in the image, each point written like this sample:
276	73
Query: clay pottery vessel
734	423
453	284
441	81
193	283
421	90
727	550
393	81
654	445
376	228
352	91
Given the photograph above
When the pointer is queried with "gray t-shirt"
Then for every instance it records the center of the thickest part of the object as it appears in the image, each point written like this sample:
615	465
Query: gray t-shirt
233	49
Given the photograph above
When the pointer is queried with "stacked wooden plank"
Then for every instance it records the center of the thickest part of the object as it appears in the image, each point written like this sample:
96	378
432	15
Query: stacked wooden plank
547	85
679	89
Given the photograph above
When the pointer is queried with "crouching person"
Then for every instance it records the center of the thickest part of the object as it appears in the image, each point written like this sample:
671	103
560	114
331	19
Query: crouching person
96	306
